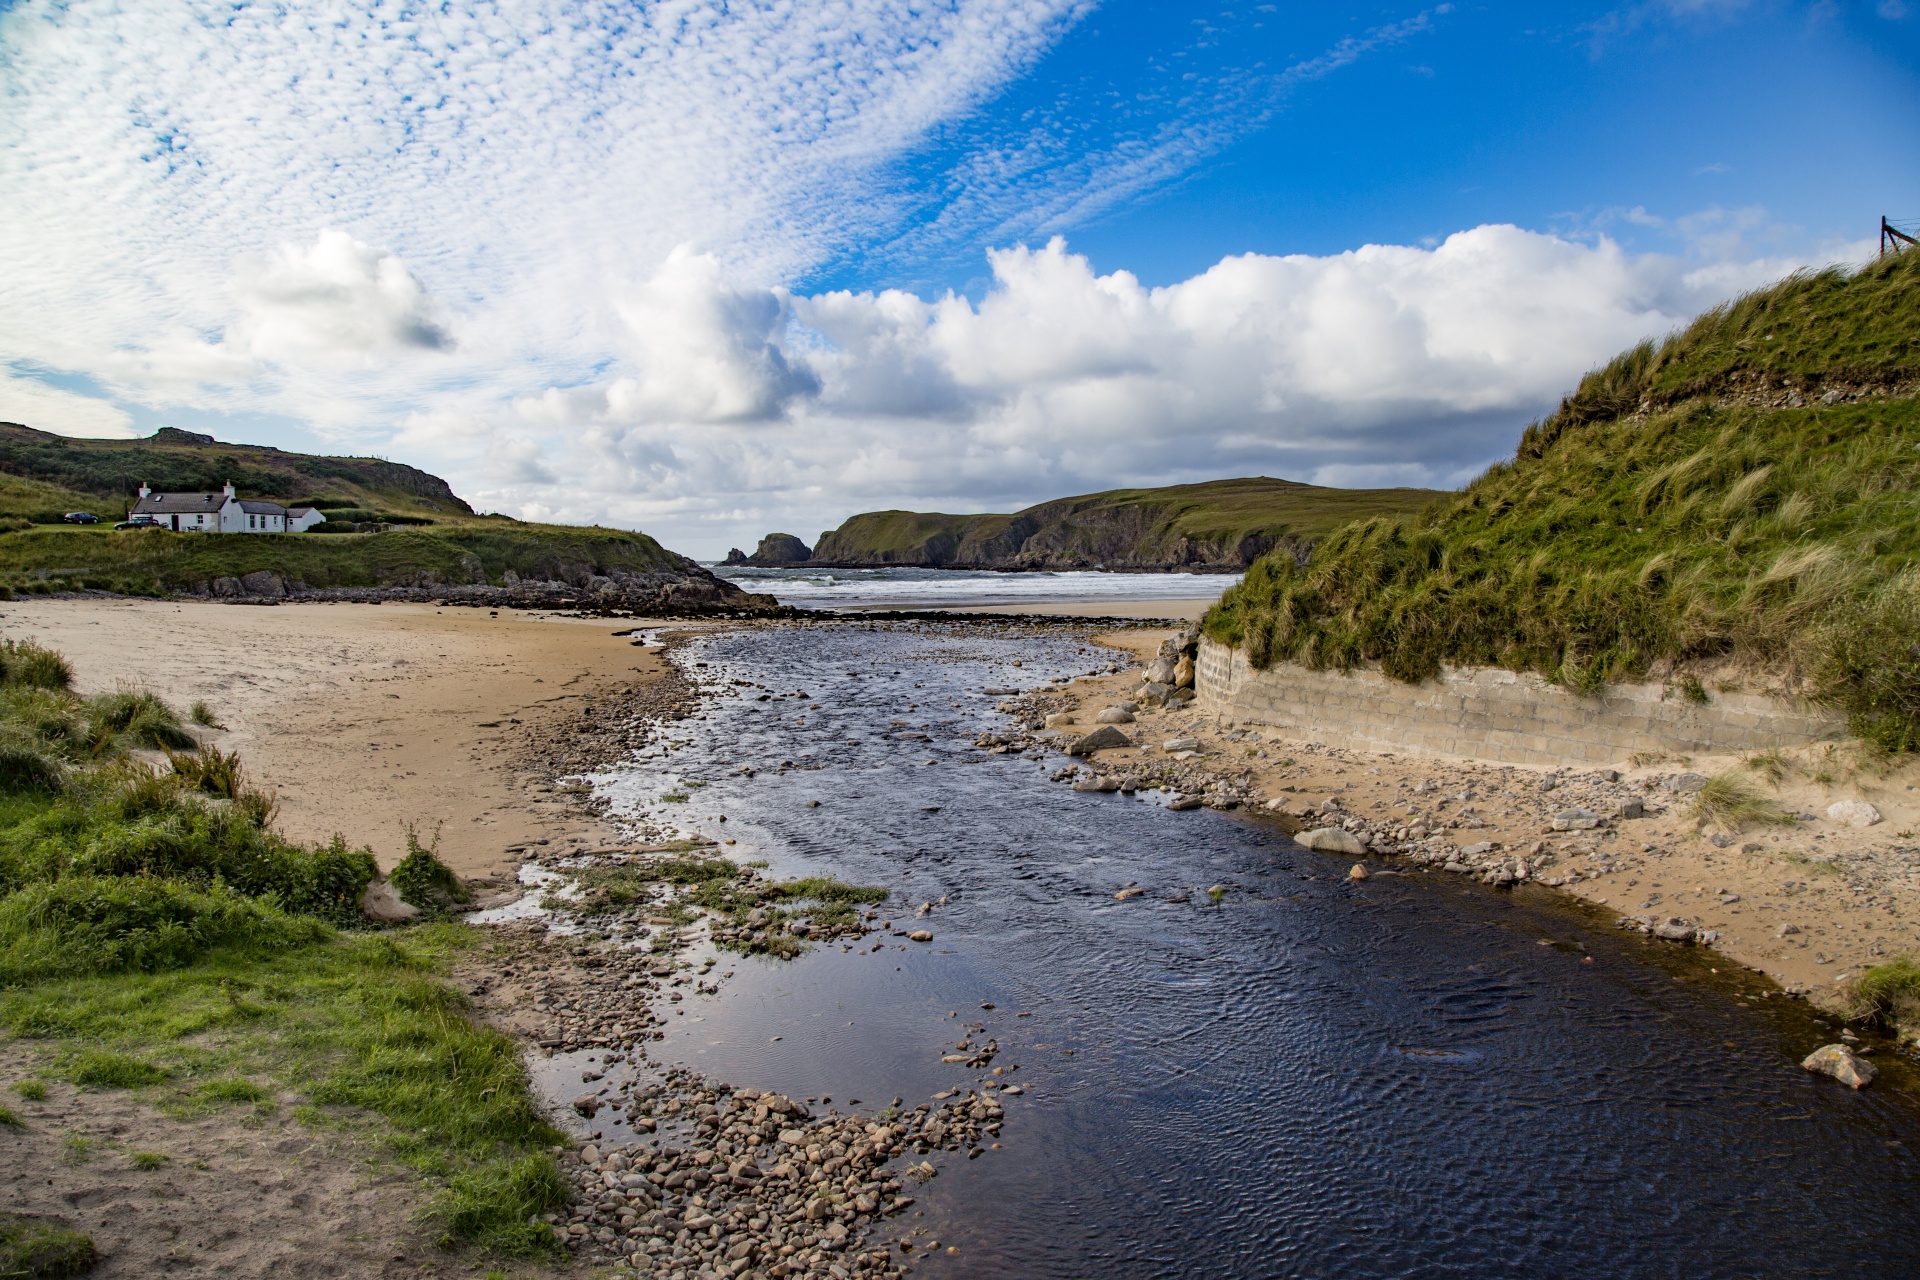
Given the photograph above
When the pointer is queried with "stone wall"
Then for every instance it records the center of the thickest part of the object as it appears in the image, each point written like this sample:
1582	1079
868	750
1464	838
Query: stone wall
1499	715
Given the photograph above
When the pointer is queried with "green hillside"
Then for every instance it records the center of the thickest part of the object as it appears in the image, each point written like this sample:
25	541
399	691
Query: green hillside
1219	525
157	561
43	475
388	524
1741	496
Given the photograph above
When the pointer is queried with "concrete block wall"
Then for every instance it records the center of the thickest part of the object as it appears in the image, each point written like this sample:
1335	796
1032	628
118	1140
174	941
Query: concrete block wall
1490	714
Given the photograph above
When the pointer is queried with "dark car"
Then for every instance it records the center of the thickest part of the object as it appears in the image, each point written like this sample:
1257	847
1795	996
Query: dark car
139	522
81	517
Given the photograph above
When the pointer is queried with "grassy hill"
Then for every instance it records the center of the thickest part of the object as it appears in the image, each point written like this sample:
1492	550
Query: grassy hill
1219	525
412	528
43	476
1737	499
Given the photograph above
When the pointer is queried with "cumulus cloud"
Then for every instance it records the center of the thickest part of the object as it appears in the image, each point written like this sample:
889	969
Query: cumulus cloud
1387	364
336	298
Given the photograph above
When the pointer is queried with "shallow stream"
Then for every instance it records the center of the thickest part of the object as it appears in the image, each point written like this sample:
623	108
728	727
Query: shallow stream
1408	1077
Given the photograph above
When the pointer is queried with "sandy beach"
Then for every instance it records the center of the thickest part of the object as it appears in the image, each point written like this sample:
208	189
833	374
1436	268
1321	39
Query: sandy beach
364	719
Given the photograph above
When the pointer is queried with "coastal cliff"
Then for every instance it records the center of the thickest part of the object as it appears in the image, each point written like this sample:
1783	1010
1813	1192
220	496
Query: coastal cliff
1221	526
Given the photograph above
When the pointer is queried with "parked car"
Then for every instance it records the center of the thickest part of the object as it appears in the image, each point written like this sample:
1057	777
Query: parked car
139	522
81	517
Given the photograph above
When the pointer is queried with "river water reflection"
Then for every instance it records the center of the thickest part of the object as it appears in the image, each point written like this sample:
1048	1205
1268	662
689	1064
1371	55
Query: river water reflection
1409	1077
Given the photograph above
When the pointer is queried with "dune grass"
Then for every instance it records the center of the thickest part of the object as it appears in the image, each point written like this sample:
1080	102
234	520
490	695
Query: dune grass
1888	996
1680	507
39	1250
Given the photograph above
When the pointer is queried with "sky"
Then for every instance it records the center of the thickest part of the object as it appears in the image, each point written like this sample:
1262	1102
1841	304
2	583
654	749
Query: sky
716	269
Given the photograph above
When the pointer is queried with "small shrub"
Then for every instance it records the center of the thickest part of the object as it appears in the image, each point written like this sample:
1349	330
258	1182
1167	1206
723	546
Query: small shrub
1731	803
423	881
105	1070
37	1249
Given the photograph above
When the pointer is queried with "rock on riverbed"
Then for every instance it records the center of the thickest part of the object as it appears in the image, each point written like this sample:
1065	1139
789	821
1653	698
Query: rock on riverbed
1842	1063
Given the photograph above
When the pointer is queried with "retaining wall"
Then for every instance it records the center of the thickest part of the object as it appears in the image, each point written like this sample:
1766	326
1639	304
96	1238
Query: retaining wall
1489	714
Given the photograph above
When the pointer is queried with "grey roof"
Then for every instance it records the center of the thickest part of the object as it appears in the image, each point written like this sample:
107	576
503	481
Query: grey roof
298	511
255	507
166	504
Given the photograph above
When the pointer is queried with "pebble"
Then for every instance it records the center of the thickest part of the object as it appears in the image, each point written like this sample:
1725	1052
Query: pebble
1842	1063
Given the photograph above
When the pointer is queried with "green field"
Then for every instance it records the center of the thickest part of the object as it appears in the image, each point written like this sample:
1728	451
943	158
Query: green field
1220	524
1742	494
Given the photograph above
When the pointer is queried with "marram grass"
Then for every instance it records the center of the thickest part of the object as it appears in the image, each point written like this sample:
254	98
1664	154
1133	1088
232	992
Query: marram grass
1678	508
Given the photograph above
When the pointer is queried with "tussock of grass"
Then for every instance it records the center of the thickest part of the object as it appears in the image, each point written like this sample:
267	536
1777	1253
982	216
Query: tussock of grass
40	1250
31	1090
104	1069
1646	523
1771	765
1888	996
202	714
148	1160
9	1118
1731	803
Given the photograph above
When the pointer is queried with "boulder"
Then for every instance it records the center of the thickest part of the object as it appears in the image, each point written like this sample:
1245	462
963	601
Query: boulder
1181	804
1180	744
1842	1063
1161	671
1853	813
1114	715
1183	673
1674	929
1153	694
1577	820
262	583
1096	784
1358	871
1632	808
1105	738
227	587
383	906
1330	840
1685	783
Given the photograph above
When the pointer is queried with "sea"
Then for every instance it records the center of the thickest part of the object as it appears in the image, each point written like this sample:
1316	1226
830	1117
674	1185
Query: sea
842	590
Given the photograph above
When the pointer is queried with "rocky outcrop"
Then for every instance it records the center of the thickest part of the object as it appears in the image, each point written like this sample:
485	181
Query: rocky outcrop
776	551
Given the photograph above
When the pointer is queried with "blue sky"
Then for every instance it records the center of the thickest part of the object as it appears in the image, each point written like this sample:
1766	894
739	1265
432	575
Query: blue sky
710	270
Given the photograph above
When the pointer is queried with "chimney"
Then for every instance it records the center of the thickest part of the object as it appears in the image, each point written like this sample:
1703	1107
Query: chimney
144	491
228	490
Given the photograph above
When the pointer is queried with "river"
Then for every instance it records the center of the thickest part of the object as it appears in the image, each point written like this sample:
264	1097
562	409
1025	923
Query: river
1406	1077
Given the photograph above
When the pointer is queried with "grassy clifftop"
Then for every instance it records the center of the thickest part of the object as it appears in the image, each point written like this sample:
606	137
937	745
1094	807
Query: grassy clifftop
1742	493
1219	525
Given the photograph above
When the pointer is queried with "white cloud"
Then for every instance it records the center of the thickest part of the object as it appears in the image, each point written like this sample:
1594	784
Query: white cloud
1387	364
336	298
66	413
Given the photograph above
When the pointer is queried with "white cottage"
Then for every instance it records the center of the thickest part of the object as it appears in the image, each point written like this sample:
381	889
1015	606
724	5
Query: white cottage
222	512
